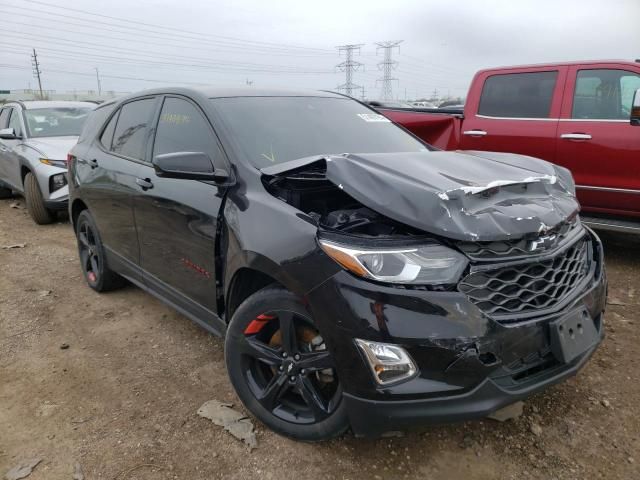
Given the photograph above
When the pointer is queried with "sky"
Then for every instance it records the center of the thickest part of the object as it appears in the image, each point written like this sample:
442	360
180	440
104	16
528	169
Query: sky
276	43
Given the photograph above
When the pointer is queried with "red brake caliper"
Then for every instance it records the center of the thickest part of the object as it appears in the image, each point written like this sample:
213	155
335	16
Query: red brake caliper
257	323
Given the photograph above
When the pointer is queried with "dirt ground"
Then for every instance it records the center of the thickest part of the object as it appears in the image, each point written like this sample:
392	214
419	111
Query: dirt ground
121	400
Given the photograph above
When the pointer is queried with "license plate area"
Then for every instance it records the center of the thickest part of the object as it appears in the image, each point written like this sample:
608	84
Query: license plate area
572	334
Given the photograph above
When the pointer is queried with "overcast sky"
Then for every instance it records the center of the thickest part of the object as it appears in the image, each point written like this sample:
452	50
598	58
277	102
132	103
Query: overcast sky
146	43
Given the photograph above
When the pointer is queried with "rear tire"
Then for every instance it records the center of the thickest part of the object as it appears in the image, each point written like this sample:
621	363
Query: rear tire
92	256
35	202
282	370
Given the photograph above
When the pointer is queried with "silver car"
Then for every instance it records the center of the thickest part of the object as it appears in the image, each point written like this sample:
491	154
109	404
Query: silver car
35	137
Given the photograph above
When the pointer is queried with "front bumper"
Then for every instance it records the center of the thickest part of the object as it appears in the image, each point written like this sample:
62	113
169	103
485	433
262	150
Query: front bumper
376	417
469	364
57	205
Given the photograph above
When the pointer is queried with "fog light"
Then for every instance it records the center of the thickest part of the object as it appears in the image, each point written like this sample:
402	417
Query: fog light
389	363
58	181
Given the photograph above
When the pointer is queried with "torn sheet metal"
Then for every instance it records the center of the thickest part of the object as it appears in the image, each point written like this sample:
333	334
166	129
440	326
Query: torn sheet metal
474	196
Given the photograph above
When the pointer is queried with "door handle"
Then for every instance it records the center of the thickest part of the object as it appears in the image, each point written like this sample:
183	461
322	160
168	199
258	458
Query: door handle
475	133
575	136
93	163
144	183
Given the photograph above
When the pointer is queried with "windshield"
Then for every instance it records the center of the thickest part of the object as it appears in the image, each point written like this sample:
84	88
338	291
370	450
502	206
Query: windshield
272	130
56	122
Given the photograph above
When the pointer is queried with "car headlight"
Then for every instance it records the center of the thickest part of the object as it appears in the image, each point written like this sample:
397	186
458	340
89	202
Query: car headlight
54	163
418	265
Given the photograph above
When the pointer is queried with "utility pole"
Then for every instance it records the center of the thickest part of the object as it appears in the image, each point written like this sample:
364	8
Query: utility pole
98	80
387	66
348	67
37	71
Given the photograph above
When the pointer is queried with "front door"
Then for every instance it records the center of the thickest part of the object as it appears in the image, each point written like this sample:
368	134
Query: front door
11	156
176	219
597	142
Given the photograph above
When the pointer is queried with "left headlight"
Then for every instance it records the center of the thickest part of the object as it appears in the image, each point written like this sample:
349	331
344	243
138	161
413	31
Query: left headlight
54	163
431	264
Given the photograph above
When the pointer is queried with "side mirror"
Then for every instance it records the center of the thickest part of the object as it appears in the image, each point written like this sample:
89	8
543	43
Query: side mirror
635	109
187	165
8	134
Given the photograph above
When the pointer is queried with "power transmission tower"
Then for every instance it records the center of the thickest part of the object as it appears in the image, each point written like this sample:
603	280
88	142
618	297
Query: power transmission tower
387	66
348	67
37	71
98	79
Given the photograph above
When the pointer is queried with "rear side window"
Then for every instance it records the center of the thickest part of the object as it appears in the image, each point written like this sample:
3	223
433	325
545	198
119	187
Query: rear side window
182	128
130	136
107	135
518	95
95	120
604	94
4	117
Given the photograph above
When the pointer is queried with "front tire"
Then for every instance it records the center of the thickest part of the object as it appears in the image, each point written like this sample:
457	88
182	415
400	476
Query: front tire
92	256
35	202
281	369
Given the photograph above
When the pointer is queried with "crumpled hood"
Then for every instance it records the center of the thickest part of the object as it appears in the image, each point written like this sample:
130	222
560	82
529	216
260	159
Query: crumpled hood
475	196
55	148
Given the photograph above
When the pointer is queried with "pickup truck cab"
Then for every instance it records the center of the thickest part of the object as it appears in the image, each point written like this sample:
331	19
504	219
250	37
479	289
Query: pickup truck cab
574	114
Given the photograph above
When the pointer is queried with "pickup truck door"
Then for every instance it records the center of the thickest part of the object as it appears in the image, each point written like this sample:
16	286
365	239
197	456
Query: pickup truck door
514	111
597	142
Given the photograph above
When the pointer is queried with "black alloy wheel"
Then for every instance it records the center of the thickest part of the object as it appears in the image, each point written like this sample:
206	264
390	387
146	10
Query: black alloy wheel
89	257
282	369
92	258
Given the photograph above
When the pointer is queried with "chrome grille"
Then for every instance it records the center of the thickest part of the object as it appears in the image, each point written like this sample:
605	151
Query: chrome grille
528	287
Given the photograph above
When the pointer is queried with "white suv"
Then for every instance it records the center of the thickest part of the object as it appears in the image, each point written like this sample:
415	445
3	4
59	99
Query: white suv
35	137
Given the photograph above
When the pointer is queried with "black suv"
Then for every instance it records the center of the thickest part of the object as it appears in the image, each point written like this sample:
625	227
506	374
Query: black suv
360	277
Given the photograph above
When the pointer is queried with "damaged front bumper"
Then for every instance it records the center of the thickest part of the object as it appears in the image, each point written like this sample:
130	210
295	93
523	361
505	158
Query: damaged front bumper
469	364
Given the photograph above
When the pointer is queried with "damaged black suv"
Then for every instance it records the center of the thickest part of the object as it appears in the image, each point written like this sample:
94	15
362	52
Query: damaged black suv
360	277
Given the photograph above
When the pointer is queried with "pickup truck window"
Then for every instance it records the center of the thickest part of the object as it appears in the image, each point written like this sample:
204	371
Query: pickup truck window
518	95
604	94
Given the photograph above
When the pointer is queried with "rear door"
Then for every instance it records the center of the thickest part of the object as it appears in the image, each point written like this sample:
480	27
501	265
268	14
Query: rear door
515	111
176	219
108	172
596	141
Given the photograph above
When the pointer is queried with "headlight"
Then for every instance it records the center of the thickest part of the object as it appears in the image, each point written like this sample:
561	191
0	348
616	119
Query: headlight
419	265
54	163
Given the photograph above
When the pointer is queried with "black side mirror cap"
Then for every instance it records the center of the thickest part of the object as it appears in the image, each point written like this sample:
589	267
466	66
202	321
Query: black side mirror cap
188	166
635	109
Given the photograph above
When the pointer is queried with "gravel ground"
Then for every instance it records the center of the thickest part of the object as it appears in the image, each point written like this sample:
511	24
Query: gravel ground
113	382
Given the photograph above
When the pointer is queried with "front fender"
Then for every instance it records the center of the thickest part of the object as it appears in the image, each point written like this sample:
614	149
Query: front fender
265	234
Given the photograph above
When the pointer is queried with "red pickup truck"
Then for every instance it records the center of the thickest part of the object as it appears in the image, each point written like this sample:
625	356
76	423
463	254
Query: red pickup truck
575	114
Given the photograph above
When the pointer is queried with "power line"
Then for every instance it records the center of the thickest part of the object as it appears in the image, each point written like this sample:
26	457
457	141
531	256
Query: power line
387	66
56	40
36	71
135	33
348	67
164	29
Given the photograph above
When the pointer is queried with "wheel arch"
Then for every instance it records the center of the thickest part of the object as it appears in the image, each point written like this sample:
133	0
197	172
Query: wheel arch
243	283
76	208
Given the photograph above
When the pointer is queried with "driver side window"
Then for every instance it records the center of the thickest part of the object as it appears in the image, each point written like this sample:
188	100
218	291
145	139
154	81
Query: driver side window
183	128
15	123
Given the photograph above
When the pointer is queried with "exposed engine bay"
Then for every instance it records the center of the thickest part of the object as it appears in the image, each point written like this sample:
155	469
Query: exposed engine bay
332	208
